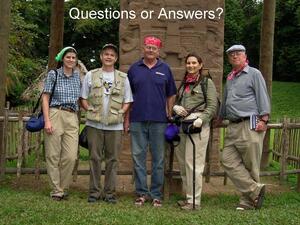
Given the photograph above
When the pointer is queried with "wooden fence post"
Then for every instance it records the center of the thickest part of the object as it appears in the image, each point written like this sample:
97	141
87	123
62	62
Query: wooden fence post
3	147
20	145
284	150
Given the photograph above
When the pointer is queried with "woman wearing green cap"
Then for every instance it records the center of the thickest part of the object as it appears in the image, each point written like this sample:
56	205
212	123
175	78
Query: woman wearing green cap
60	105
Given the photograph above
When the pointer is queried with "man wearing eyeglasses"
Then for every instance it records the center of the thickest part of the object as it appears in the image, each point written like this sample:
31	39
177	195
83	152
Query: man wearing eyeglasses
246	105
154	91
106	96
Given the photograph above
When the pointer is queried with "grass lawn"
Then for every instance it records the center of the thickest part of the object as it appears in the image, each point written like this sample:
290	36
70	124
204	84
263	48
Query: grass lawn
35	207
285	100
19	205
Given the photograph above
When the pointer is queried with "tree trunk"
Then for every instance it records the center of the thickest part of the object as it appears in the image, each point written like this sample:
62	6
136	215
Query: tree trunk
266	61
56	31
5	6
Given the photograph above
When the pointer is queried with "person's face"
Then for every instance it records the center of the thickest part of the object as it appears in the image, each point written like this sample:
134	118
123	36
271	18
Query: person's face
108	57
237	58
70	60
192	65
151	52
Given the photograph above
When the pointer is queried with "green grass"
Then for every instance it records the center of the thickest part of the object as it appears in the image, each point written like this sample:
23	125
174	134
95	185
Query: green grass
285	100
35	207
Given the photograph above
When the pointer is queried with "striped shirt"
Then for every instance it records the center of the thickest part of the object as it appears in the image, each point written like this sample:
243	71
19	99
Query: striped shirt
67	89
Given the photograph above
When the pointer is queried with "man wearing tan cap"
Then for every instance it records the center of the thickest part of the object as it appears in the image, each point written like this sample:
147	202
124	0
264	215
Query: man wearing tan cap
105	95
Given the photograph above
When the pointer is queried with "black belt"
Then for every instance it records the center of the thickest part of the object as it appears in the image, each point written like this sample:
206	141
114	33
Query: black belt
240	120
63	108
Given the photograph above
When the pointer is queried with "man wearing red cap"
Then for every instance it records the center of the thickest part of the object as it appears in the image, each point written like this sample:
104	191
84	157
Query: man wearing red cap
153	90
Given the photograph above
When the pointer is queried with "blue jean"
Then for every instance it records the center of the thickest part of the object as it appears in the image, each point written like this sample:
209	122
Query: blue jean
142	135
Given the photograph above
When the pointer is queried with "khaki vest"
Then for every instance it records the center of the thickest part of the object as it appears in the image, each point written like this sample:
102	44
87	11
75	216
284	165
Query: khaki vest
95	98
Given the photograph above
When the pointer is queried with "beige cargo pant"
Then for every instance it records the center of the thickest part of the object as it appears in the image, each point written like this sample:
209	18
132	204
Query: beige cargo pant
61	150
184	154
241	158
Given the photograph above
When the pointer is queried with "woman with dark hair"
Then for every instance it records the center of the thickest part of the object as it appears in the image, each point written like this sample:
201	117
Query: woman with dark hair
60	105
193	104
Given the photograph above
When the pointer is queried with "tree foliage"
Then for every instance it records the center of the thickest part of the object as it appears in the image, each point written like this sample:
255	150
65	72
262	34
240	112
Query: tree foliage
30	24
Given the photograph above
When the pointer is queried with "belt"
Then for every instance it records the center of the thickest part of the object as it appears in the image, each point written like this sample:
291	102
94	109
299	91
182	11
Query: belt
63	108
240	120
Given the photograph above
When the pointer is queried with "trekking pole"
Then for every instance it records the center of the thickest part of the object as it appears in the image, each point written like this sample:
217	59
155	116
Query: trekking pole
194	167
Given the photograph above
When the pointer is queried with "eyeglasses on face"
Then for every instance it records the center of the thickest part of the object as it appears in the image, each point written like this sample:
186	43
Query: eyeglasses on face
235	53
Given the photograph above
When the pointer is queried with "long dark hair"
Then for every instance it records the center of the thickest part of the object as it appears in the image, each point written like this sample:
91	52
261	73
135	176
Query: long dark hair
199	59
60	63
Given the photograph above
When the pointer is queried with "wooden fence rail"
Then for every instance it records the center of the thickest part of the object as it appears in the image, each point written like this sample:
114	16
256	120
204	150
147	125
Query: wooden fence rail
18	143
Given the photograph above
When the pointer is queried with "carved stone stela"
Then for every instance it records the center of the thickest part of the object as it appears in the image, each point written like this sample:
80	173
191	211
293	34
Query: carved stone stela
204	36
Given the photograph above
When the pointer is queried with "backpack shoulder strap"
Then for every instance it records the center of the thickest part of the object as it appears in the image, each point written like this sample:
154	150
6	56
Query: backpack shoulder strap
204	87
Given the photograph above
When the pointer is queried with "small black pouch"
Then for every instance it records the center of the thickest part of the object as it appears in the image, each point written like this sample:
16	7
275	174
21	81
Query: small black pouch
188	128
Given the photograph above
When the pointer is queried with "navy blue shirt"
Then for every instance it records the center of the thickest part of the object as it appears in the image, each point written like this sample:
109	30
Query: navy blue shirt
150	89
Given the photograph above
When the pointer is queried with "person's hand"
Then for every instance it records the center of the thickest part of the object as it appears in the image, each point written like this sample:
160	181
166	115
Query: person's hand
48	127
261	126
197	123
179	110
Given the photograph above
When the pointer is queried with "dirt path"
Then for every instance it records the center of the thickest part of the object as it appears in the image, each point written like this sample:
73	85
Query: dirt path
125	185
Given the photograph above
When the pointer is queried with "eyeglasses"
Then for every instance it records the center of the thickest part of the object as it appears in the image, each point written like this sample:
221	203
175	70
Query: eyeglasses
153	48
236	53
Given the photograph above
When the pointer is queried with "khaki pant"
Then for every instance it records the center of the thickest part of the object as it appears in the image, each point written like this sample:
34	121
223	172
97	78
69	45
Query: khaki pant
241	158
61	149
184	154
108	143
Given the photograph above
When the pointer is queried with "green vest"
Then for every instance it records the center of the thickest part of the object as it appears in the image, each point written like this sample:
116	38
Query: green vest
95	98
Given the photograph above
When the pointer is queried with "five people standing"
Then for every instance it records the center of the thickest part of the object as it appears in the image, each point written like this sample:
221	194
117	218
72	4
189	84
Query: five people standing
142	102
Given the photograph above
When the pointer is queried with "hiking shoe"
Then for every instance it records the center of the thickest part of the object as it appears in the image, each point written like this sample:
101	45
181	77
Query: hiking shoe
110	199
189	206
258	201
140	201
56	198
242	207
181	203
156	203
92	199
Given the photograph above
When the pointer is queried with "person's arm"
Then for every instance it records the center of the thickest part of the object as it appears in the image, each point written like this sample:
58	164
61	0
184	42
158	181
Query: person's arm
85	89
45	107
170	104
84	104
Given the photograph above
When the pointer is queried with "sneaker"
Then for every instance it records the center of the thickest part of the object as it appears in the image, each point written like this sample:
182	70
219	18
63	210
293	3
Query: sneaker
156	203
110	199
189	206
92	199
140	201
